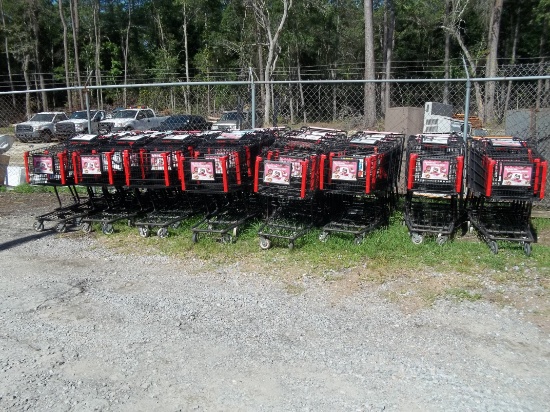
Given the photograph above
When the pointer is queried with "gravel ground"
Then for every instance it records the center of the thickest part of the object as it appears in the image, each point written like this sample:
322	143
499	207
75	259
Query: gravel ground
86	329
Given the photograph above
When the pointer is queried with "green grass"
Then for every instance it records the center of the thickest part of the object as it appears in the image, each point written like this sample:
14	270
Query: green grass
462	269
385	252
26	188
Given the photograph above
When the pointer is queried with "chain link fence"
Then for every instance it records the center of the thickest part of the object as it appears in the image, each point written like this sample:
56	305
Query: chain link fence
518	106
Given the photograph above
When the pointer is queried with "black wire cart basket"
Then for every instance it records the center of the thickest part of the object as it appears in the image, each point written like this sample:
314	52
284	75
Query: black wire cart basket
287	180
359	179
53	166
156	171
221	171
505	175
103	168
434	182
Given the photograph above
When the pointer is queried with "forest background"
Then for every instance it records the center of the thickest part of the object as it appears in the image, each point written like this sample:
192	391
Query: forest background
69	43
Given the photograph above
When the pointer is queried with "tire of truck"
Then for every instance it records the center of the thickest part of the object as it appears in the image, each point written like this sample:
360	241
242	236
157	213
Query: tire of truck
46	136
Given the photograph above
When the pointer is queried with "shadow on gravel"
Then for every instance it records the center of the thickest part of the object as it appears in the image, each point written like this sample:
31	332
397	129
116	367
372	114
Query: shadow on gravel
22	240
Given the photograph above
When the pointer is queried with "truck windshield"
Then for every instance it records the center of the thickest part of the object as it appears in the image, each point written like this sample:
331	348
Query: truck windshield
82	114
125	114
43	117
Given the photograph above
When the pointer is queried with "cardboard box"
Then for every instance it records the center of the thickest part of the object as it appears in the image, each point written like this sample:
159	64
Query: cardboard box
4	162
407	120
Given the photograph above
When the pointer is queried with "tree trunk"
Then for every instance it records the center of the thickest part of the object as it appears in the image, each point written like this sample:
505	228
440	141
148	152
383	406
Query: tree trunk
7	51
447	59
264	20
542	45
301	86
65	54
370	88
389	39
97	61
125	51
186	53
512	58
38	65
492	64
28	108
76	28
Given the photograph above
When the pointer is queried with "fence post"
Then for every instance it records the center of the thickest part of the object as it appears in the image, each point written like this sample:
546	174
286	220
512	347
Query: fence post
87	93
466	101
252	97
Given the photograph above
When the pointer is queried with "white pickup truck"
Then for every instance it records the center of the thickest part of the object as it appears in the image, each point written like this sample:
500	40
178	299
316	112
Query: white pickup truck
131	119
39	128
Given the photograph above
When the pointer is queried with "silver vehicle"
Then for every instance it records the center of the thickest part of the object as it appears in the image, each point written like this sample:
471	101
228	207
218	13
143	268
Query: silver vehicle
78	123
40	128
234	120
131	119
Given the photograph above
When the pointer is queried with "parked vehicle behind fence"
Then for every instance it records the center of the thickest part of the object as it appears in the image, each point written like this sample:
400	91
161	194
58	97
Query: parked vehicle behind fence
131	119
234	120
184	122
40	127
78	123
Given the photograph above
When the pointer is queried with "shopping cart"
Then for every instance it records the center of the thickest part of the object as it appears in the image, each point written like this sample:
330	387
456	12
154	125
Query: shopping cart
221	170
434	182
287	180
359	179
157	172
104	167
505	175
52	167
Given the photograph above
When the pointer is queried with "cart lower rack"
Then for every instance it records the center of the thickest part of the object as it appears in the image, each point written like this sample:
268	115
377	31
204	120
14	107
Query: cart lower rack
356	216
121	204
170	208
432	215
230	214
503	221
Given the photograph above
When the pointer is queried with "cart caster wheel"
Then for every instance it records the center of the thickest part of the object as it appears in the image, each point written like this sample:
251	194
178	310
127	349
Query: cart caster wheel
144	231
441	239
38	226
107	228
359	240
417	238
470	227
87	227
323	236
61	227
527	248
235	231
265	243
290	245
226	239
77	221
493	246
162	233
195	237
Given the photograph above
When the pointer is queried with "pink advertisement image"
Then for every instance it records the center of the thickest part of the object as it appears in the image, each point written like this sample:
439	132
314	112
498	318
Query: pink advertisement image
296	170
435	169
517	175
344	170
91	165
277	172
157	161
202	170
43	164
